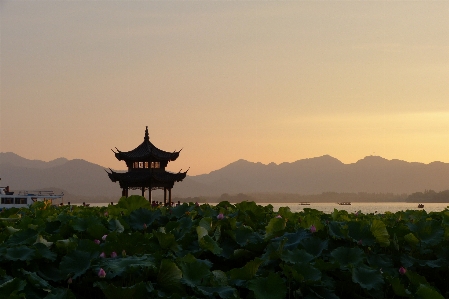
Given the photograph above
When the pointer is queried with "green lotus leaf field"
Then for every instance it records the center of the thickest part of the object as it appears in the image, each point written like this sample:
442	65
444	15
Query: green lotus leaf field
244	250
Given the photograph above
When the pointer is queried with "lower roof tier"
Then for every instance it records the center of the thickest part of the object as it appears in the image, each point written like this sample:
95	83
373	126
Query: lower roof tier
146	178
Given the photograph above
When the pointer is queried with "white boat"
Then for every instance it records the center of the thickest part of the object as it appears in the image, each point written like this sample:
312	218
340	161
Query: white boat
24	199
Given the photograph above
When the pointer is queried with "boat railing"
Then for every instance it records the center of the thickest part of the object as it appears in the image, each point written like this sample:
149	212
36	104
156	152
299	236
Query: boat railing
39	193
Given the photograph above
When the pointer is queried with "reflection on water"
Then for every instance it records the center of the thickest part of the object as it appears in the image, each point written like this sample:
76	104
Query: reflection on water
364	207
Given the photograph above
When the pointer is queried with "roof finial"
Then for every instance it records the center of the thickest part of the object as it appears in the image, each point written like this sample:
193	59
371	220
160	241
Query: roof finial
147	137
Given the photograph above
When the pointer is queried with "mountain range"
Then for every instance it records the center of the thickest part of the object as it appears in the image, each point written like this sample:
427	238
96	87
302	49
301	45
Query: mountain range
372	174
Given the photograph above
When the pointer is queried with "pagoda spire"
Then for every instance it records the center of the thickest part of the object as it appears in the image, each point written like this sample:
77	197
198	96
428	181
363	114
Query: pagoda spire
147	137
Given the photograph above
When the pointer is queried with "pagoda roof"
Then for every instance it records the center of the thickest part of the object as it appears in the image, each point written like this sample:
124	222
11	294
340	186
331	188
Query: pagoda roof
146	150
142	178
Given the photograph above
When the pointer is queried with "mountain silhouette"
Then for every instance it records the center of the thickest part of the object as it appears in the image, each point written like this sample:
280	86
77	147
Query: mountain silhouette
371	174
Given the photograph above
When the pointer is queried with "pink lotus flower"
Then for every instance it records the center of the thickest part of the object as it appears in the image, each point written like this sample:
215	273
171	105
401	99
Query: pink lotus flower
220	216
279	216
102	255
144	226
197	204
312	229
69	281
359	242
101	273
114	254
97	242
104	237
402	270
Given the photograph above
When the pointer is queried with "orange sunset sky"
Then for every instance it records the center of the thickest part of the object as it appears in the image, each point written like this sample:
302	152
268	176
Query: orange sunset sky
265	81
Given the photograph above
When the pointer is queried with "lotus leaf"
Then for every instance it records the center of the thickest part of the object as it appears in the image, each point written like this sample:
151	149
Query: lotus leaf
314	245
429	232
25	236
411	239
11	288
60	294
140	290
296	256
367	278
210	244
398	288
116	225
337	230
247	272
129	204
346	256
426	292
244	235
166	241
140	218
274	227
360	231
219	278
225	292
42	251
271	287
194	273
380	232
75	264
120	266
22	253
169	276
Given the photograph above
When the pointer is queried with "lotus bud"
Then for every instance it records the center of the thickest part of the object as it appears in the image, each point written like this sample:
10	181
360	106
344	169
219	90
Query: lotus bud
104	237
402	270
312	229
69	281
96	241
220	216
102	255
101	273
144	226
114	254
279	216
196	204
359	242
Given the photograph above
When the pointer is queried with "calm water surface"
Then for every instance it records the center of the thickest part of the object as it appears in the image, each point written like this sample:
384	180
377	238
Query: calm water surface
364	207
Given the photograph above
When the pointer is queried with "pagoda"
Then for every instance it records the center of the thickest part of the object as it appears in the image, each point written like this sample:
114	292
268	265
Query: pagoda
146	169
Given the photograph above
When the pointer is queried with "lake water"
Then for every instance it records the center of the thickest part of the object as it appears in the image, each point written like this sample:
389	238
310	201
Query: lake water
364	207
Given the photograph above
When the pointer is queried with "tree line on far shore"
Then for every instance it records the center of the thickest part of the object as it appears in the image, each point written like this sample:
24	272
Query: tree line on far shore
426	196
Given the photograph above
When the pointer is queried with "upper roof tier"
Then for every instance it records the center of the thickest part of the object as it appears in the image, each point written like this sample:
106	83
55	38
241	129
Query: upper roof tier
146	151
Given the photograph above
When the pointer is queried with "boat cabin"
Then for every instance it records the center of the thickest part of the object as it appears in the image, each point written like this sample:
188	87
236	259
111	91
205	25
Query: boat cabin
24	199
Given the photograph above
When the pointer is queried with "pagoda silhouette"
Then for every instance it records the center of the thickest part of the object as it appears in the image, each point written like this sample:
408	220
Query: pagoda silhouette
146	170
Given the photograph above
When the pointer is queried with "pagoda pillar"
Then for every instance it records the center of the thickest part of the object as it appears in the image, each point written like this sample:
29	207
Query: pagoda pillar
169	197
150	197
143	191
165	196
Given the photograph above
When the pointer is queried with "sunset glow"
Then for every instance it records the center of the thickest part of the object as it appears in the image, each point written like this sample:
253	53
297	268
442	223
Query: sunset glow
261	81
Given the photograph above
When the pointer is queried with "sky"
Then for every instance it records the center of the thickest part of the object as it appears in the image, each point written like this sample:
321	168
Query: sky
264	81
